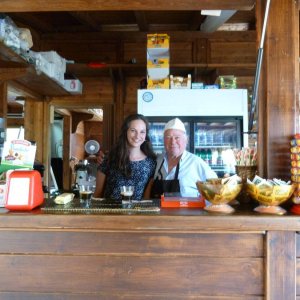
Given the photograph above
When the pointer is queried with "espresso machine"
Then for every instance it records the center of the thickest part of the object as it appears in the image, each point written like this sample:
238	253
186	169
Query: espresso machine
86	169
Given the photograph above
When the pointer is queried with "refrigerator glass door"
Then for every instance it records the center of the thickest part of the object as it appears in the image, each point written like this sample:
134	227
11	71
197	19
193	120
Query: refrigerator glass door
214	143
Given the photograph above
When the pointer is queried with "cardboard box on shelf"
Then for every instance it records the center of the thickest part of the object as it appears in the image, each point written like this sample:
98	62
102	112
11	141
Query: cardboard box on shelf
158	45
197	85
158	40
178	82
158	68
158	84
158	62
227	82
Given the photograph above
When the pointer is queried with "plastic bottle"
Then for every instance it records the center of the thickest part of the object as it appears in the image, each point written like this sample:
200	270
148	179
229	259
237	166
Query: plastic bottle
203	154
209	156
214	158
220	159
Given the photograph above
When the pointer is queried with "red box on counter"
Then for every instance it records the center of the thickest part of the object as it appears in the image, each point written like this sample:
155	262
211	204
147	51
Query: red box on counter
184	202
23	190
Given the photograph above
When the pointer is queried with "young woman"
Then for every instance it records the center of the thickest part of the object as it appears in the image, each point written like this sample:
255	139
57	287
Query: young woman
130	162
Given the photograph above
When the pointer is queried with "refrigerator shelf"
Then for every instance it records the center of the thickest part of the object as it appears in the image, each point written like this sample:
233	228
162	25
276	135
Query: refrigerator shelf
215	146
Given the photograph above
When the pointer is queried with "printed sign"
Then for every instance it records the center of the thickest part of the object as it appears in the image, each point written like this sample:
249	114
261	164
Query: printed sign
17	154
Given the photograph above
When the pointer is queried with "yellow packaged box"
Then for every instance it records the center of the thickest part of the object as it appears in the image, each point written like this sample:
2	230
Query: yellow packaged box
158	68
160	62
158	84
158	40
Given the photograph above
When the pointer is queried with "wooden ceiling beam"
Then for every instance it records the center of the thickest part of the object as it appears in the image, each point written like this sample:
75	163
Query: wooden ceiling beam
34	21
196	21
212	23
85	19
141	36
104	5
141	21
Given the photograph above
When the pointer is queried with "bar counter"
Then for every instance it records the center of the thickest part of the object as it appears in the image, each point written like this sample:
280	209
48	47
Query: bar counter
171	254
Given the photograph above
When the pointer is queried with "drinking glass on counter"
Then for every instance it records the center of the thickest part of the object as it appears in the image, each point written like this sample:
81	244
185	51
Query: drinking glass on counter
126	193
85	194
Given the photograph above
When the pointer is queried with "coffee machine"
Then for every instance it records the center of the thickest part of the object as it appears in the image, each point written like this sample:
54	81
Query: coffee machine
85	170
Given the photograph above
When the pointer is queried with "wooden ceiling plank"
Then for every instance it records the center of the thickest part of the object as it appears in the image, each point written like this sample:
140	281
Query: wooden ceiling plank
103	5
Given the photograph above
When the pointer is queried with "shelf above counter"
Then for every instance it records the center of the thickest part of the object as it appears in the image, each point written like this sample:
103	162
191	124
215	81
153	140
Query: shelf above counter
39	83
182	69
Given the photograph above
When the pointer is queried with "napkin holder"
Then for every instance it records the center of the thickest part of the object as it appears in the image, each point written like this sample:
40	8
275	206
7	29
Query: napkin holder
182	202
24	190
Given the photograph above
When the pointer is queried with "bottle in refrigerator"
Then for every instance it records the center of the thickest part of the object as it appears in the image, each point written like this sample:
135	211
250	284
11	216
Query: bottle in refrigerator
200	138
214	158
203	154
220	159
209	156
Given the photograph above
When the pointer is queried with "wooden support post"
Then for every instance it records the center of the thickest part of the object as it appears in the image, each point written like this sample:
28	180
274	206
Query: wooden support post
278	99
280	265
3	99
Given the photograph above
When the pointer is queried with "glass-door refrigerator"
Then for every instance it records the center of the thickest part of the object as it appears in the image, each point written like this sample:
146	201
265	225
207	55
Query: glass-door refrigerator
211	138
216	121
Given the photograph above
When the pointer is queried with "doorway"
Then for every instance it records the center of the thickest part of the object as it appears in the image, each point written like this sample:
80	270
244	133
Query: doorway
71	128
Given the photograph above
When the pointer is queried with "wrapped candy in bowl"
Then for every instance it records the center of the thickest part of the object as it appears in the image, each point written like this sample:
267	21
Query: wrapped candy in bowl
270	194
219	192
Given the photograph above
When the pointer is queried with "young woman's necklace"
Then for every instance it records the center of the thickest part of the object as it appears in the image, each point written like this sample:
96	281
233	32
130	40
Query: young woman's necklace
137	157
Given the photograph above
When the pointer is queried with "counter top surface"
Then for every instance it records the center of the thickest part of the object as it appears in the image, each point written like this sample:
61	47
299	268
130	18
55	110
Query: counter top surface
195	219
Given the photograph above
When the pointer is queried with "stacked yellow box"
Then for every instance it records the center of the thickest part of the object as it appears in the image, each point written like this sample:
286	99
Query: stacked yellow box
158	61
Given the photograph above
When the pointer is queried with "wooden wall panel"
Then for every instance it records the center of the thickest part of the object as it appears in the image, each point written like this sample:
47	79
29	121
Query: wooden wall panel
130	109
160	243
280	260
120	264
132	85
132	275
232	52
3	99
34	125
135	50
181	52
100	88
77	141
201	51
93	130
81	52
68	173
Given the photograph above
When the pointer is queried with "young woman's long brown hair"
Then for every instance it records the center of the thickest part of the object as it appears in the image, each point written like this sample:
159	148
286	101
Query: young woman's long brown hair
119	155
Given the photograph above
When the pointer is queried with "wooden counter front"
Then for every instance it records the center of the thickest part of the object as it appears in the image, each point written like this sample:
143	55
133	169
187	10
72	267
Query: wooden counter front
175	254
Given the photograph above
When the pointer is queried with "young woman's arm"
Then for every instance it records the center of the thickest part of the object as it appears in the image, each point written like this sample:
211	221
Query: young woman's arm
148	188
100	182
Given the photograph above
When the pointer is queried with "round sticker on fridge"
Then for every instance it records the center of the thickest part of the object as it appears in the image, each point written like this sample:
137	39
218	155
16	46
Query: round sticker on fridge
147	97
